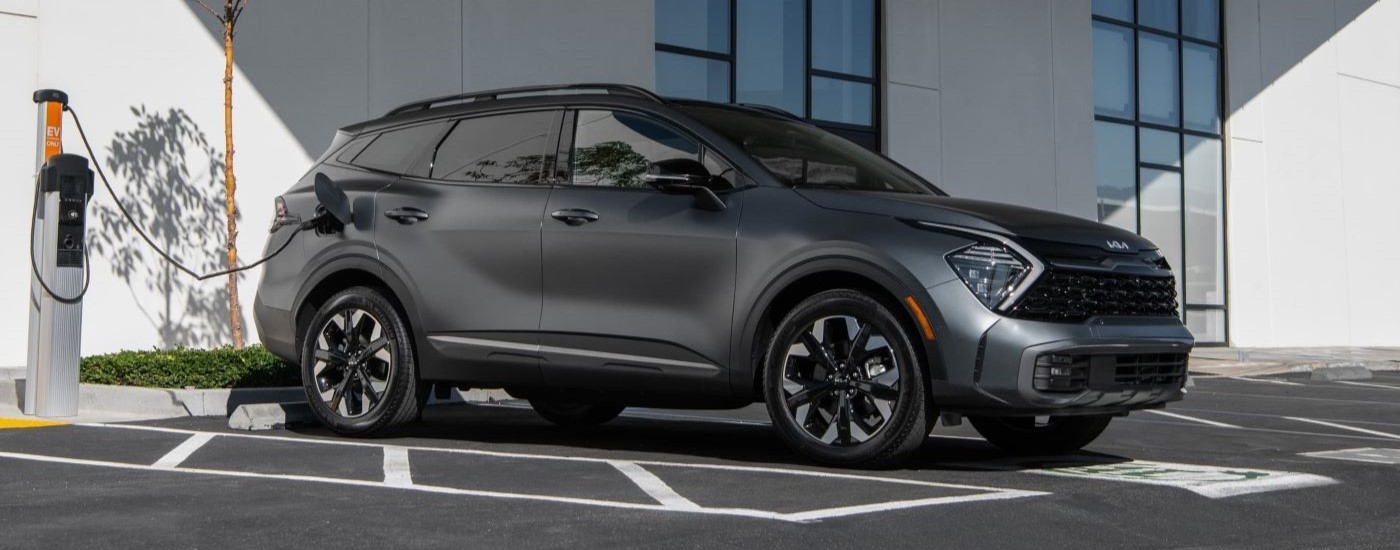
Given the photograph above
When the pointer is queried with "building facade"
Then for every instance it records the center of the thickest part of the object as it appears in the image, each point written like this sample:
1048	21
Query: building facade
1248	138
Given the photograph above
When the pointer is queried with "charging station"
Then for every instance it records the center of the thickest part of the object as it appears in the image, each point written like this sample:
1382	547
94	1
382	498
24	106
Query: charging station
59	277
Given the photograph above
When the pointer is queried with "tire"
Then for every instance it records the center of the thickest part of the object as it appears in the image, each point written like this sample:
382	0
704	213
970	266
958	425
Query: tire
1060	435
367	383
825	388
575	415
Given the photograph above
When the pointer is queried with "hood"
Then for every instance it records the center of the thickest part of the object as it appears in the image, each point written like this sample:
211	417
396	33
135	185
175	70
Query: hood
1016	221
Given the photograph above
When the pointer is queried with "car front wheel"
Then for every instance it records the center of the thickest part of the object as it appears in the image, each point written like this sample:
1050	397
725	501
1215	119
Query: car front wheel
843	383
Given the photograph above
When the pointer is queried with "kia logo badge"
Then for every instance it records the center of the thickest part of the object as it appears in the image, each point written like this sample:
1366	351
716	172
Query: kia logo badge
1118	245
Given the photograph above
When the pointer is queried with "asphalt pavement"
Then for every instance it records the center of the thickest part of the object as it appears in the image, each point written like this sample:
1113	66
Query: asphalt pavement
1241	463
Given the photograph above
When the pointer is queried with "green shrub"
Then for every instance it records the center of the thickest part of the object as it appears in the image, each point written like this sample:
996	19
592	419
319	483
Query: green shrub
252	367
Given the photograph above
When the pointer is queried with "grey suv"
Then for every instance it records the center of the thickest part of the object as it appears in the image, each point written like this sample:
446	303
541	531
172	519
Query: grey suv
594	247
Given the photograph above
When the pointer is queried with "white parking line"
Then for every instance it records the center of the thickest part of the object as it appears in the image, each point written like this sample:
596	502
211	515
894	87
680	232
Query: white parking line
1343	427
1364	454
1265	380
396	469
1208	481
183	451
1368	385
653	486
1194	419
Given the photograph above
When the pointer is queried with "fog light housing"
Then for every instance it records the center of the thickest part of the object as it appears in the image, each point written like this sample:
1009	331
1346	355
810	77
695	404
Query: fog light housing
1061	373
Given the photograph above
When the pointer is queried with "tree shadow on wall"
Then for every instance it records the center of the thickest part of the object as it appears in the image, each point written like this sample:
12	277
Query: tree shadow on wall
174	189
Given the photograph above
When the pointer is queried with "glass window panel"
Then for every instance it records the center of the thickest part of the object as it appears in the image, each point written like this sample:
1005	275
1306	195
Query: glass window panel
1201	19
395	151
1158	147
616	149
1113	70
1160	212
692	77
699	24
1117	177
843	36
1205	223
496	149
836	100
1200	67
1159	14
771	54
1158	87
1207	325
1117	9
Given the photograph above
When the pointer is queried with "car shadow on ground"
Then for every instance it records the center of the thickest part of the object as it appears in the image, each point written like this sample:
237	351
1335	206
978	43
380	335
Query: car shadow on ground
519	430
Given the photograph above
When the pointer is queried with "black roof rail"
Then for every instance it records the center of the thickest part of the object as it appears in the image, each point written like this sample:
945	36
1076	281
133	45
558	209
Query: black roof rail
773	110
487	95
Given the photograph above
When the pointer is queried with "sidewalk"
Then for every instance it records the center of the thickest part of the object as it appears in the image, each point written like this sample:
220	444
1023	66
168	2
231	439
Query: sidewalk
1270	361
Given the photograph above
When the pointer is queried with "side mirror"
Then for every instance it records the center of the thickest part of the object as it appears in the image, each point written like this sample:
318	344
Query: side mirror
685	176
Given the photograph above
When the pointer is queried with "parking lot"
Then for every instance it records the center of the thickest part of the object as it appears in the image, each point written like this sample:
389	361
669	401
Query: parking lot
1260	463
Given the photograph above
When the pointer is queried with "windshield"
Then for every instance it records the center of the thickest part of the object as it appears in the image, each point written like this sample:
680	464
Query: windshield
801	155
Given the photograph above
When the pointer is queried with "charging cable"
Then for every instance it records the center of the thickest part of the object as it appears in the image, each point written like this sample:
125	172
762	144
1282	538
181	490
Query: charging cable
87	269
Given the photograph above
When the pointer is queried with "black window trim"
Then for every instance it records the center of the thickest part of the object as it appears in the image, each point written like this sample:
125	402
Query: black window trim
451	124
705	147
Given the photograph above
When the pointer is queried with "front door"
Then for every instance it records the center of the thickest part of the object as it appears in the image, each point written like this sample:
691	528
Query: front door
465	236
638	284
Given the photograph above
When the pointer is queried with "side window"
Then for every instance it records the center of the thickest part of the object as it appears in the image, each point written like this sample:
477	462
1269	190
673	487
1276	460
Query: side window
614	149
395	150
512	148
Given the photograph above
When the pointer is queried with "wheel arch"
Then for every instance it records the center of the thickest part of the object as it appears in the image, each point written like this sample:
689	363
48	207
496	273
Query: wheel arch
820	274
343	273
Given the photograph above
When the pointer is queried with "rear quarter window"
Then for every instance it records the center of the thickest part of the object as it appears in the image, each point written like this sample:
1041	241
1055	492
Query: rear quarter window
396	150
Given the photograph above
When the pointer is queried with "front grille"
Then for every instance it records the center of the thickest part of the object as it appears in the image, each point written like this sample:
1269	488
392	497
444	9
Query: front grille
1072	373
1073	296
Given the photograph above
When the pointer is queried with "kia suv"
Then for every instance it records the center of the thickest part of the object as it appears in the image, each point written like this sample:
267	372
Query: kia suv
595	247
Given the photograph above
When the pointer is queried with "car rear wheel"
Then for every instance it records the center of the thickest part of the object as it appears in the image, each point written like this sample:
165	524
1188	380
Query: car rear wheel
576	415
843	383
358	366
1041	435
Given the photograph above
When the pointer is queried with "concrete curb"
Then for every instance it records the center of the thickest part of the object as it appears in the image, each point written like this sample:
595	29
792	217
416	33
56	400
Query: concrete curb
268	416
1345	372
1251	368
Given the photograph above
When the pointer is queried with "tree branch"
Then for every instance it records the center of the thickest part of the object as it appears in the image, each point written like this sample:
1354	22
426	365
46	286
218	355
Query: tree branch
210	10
238	10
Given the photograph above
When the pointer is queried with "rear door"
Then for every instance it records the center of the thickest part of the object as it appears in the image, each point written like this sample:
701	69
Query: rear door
638	284
462	229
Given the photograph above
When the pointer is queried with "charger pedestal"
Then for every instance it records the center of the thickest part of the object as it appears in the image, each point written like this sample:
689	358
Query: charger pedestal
60	254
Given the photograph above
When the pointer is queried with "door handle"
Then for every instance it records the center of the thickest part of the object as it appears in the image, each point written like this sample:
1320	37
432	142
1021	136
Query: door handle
575	216
407	215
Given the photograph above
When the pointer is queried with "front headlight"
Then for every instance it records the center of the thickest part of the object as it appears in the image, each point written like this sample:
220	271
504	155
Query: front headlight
990	271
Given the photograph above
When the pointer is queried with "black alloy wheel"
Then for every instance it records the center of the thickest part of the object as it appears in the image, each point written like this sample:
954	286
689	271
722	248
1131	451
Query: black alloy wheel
843	383
357	364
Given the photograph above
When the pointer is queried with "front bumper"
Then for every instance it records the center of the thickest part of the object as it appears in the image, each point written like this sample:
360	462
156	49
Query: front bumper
989	362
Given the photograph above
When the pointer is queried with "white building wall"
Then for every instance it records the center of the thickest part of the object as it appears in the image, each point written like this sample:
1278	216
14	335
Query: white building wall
303	70
994	99
19	72
1313	95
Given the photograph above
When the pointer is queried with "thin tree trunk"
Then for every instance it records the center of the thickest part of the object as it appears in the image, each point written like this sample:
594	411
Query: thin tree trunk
235	311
